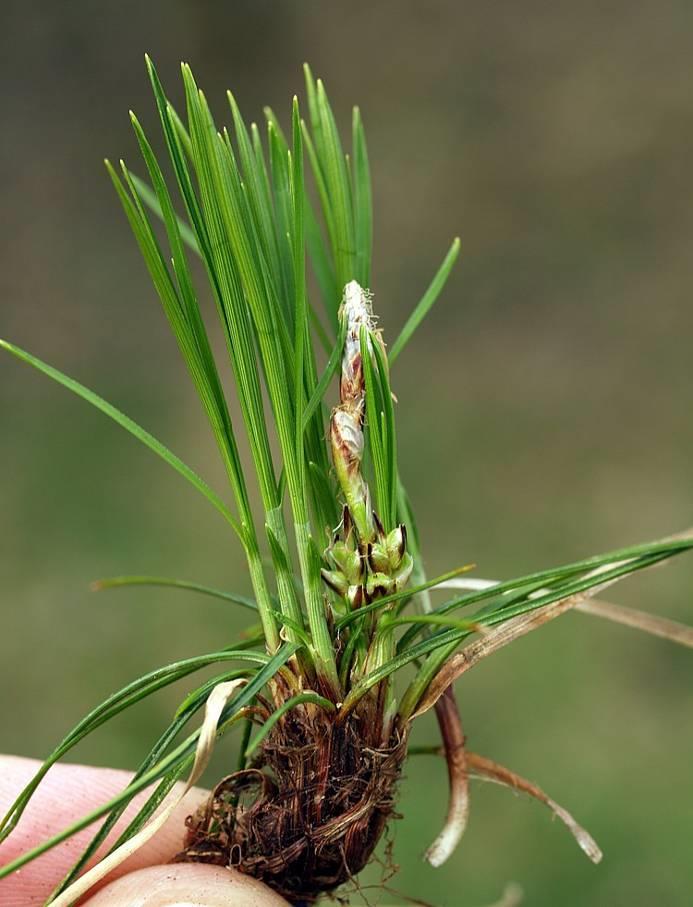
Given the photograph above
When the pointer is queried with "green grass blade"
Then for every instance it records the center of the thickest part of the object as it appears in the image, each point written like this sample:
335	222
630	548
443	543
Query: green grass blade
224	226
532	581
356	643
322	267
327	375
363	202
572	587
117	582
181	752
332	180
438	620
317	251
148	196
445	639
301	324
338	187
298	631
426	302
129	425
259	207
183	714
182	310
168	763
129	695
283	211
217	170
377	443
408	593
525	585
504	613
147	809
388	433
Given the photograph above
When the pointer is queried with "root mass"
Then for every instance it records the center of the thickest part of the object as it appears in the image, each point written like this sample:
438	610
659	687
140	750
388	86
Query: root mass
306	815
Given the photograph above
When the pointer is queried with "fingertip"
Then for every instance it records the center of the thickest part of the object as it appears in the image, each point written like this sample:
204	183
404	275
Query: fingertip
186	885
67	793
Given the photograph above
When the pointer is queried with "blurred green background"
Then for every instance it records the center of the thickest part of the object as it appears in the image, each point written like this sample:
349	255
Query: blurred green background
544	408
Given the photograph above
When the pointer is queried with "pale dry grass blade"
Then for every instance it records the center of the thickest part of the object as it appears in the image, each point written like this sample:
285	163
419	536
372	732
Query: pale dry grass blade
500	636
663	627
493	771
218	698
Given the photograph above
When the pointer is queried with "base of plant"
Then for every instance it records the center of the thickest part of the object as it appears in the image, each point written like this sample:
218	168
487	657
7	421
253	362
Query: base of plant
306	816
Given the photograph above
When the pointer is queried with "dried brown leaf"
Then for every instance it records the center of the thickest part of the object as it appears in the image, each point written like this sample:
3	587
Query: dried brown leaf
662	627
493	771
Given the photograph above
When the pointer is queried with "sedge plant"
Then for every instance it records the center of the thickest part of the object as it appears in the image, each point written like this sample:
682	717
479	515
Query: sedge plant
282	224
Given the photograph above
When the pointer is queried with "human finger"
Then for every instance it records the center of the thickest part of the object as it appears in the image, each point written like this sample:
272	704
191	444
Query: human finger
189	884
67	793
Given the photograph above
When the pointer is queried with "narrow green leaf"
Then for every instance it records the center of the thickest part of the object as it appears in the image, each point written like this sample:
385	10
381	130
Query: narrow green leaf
322	267
363	202
377	442
327	376
301	325
407	593
129	425
338	190
116	582
173	759
148	196
183	714
387	431
116	703
427	300
389	623
447	640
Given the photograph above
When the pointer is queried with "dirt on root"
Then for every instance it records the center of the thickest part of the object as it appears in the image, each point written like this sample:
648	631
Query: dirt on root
306	815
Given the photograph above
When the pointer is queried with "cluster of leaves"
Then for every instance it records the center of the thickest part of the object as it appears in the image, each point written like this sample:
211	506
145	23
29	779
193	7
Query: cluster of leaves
250	219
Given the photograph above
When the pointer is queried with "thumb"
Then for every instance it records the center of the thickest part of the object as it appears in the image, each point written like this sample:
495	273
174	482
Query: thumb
186	885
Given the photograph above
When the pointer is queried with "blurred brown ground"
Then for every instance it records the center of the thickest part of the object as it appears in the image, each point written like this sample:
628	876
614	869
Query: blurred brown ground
545	407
